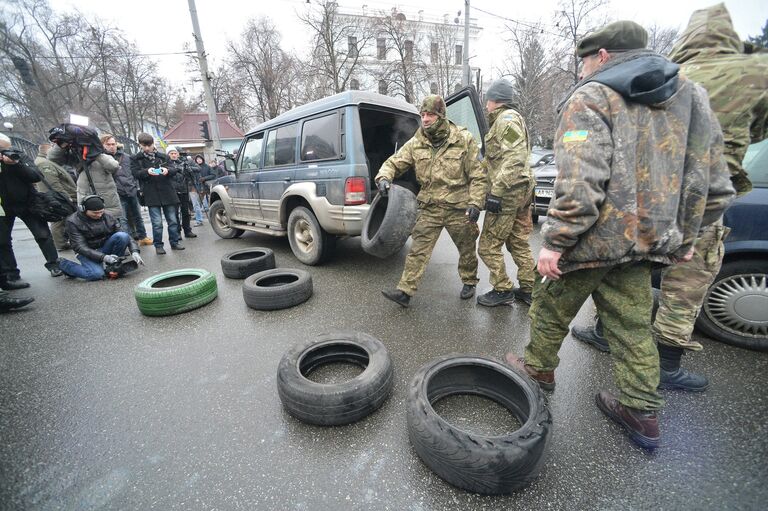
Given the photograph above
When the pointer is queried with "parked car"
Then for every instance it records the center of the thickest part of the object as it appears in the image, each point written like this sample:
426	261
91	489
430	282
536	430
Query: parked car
541	157
735	309
308	173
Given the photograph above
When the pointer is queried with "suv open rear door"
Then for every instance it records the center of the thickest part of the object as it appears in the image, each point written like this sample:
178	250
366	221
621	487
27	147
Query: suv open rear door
464	109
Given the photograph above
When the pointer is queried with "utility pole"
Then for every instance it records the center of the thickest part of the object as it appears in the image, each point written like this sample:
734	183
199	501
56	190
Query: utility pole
213	121
466	79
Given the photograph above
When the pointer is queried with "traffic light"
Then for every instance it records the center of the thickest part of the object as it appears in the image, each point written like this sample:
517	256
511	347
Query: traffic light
204	130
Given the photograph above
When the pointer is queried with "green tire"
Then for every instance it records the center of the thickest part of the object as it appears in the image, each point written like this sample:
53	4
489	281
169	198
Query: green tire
174	292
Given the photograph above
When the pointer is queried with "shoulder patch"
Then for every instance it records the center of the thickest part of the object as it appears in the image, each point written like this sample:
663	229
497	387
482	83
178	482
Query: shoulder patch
575	136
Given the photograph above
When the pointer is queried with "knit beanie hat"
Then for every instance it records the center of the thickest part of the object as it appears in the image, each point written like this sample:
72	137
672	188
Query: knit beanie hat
500	91
93	203
170	149
433	104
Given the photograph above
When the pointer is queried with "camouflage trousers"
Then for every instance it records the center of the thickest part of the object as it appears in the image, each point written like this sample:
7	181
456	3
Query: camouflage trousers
512	229
683	286
429	225
622	295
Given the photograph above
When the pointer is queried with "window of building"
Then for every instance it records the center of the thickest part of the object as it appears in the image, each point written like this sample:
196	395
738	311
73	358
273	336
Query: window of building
409	51
381	48
320	138
354	84
251	158
433	88
281	146
352	41
383	87
433	52
459	55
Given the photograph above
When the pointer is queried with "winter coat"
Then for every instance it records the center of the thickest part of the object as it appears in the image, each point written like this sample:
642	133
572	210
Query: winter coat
506	154
102	171
57	177
124	180
186	178
712	54
449	175
640	167
158	190
87	235
16	184
206	176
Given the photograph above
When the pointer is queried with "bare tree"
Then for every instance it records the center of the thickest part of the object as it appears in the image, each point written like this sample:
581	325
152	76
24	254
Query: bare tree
576	19
339	43
408	69
661	39
443	70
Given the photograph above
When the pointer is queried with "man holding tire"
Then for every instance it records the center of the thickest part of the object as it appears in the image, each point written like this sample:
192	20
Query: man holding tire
445	157
622	205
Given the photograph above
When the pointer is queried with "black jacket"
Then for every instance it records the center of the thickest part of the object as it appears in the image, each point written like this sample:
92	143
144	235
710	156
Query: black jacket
124	180
187	176
16	185
87	235
158	190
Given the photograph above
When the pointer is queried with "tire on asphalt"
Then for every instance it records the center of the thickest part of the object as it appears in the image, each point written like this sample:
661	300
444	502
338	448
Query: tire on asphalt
471	461
389	222
278	288
217	217
174	292
341	403
309	242
244	263
734	310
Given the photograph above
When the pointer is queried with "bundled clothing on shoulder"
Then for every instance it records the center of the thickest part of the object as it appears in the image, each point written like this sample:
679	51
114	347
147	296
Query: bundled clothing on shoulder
61	181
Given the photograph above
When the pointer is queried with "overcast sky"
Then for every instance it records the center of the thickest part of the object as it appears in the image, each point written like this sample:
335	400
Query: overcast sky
164	27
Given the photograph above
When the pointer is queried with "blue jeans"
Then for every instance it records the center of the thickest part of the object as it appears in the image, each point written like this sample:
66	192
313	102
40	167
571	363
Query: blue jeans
132	221
156	214
195	198
89	269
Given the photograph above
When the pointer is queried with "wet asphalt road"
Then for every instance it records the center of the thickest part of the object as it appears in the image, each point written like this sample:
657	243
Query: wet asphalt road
103	408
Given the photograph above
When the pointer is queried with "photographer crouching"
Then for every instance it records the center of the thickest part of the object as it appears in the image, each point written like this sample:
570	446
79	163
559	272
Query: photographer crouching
99	243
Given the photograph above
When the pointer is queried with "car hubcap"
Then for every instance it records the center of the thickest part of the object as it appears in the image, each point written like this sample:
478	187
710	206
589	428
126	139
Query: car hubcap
739	304
302	233
221	219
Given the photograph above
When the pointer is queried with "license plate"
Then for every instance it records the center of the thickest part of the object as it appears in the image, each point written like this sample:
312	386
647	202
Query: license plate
545	192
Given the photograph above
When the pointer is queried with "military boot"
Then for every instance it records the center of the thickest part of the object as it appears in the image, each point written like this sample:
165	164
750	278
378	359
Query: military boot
493	298
467	291
674	377
545	379
592	336
397	296
642	426
523	296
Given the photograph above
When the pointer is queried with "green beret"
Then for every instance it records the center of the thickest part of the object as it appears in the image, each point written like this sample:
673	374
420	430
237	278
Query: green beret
433	104
616	36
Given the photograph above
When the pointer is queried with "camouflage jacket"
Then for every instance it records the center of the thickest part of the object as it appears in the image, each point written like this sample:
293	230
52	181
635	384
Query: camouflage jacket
57	177
638	177
712	54
506	154
450	175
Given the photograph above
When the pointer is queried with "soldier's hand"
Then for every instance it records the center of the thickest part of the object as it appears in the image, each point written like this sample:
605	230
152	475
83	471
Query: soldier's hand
547	264
383	185
492	204
472	214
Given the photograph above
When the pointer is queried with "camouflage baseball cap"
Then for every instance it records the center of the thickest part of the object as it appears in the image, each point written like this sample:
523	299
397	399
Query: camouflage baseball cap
617	36
433	104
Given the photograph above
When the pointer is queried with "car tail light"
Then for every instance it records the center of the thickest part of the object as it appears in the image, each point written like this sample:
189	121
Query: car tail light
354	191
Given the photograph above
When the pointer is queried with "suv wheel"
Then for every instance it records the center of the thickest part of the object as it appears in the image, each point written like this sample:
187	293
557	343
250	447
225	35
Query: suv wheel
309	242
217	215
735	309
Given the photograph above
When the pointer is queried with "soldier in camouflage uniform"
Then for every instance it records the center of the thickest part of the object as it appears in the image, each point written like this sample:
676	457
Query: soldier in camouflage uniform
445	157
621	205
711	54
508	203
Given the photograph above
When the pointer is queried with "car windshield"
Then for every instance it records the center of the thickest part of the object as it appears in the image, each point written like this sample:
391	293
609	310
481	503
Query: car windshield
756	164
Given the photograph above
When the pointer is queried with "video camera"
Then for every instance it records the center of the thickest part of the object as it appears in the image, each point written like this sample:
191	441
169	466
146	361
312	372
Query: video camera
13	154
75	135
123	265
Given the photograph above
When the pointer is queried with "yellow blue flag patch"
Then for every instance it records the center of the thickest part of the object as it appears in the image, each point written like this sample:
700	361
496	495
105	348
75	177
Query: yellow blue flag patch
575	136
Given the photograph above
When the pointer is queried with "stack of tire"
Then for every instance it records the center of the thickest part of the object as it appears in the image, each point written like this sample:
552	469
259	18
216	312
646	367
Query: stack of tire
266	287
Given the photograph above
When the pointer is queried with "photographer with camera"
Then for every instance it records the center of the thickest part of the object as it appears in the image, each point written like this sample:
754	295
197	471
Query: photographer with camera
182	182
17	178
98	241
155	178
59	179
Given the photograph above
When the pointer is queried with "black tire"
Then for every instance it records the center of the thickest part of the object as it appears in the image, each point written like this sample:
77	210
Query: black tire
735	309
244	263
335	404
217	217
389	222
279	288
475	462
309	242
176	291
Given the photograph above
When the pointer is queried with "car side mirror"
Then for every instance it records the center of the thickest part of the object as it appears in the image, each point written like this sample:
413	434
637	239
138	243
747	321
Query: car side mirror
230	165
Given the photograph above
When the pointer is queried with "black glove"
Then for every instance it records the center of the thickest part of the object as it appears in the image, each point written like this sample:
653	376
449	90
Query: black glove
383	185
472	214
492	204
